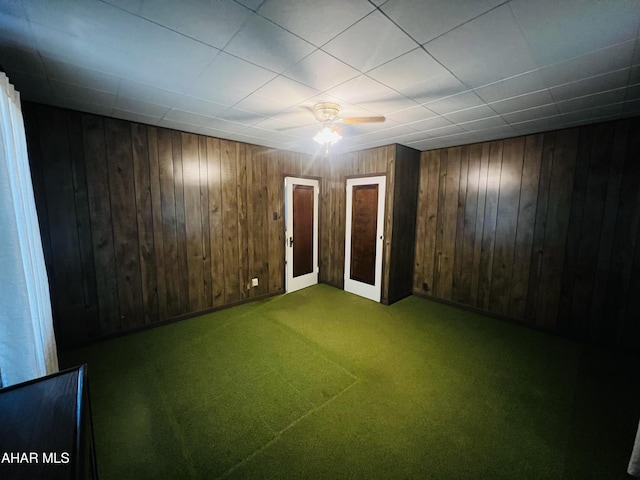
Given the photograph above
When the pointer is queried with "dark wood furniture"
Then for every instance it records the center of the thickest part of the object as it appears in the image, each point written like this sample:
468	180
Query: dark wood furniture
46	430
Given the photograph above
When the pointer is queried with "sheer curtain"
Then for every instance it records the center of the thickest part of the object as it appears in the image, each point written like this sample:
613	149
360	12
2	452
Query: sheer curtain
27	341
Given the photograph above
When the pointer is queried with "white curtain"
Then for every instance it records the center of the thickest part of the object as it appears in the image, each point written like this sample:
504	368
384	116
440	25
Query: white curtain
634	462
27	341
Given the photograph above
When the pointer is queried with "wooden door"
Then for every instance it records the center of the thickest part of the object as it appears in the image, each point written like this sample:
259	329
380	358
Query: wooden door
364	236
301	236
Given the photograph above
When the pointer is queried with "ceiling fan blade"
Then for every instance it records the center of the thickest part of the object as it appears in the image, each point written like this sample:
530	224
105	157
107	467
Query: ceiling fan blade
293	127
354	120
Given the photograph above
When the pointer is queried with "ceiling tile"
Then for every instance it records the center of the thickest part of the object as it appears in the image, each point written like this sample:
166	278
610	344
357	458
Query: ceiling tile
190	118
539	125
89	20
454	103
592	101
75	104
213	22
198	105
512	87
522	102
599	114
243	117
634	75
22	59
495	133
213	132
251	4
434	89
412	114
560	30
321	71
632	92
531	114
425	21
483	124
224	125
86	95
372	41
444	131
492	39
147	93
479	65
135	116
152	41
132	6
588	86
430	124
362	89
31	87
262	42
239	79
470	114
407	70
133	105
263	106
385	105
275	124
286	91
61	46
316	22
589	65
79	75
631	108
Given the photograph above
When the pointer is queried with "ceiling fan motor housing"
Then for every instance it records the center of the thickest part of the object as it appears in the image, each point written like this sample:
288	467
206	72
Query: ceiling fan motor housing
327	111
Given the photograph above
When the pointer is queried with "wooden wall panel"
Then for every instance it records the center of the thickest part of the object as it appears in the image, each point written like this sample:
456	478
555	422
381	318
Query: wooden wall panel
123	218
181	228
101	226
143	225
169	224
466	245
156	219
526	216
506	224
193	221
147	224
144	222
66	281
216	252
556	223
405	201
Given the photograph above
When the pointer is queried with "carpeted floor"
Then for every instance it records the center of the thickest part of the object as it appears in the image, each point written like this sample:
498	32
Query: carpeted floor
324	384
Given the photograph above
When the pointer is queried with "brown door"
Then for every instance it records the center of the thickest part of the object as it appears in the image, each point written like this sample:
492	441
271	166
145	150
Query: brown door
301	214
302	229
364	236
364	225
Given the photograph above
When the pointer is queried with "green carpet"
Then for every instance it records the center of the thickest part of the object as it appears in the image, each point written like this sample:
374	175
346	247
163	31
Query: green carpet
324	384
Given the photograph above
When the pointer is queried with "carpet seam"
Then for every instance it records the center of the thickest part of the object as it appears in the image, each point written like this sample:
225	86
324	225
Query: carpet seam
284	430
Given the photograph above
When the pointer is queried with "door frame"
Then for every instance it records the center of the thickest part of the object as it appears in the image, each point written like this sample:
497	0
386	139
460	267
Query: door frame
372	292
291	283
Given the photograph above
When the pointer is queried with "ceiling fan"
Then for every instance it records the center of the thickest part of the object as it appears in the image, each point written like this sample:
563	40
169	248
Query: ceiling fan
328	114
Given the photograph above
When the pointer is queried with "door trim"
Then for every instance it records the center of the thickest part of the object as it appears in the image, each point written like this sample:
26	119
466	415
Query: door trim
372	292
302	281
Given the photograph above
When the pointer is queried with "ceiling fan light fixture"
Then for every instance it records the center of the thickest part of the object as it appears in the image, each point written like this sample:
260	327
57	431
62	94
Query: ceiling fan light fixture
327	136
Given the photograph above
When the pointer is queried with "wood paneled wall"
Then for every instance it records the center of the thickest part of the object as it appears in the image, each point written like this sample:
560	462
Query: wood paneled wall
405	204
142	224
541	229
333	195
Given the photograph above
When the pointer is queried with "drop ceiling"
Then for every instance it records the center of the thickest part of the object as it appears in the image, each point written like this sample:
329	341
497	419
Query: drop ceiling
442	72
